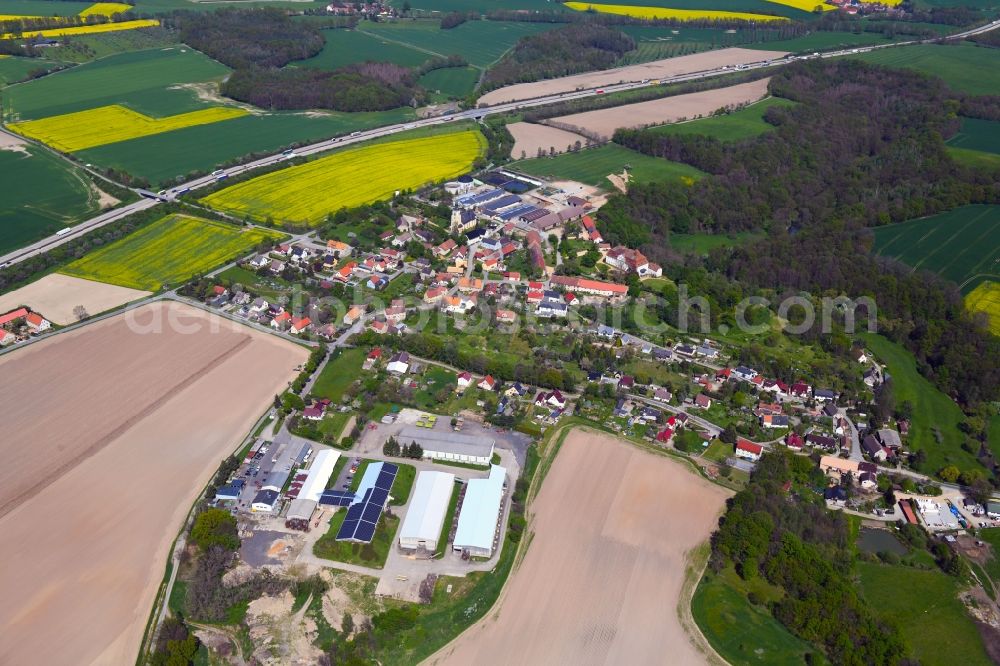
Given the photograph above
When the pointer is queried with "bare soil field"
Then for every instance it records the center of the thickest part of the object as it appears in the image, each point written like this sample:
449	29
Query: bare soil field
55	296
111	436
602	578
529	137
658	69
666	110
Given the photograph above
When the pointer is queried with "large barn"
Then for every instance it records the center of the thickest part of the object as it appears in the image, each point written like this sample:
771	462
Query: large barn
446	445
425	516
478	522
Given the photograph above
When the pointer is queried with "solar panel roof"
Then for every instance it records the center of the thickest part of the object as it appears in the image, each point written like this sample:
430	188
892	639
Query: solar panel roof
365	531
371	513
347	529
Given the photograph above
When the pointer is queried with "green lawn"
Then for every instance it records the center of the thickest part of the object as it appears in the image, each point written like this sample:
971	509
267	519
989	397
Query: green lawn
140	80
977	159
959	245
592	166
169	251
718	451
374	556
704	243
403	484
925	607
933	411
743	124
965	67
739	631
436	379
449	518
39	195
338	374
455	82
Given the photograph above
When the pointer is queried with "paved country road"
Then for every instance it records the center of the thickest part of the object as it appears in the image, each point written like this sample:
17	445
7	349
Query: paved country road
53	241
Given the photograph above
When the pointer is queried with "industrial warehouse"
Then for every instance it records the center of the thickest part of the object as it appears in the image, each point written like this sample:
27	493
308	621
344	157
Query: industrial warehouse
452	446
421	528
307	498
478	521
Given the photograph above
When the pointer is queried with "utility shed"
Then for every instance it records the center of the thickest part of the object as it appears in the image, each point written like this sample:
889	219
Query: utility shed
425	515
481	509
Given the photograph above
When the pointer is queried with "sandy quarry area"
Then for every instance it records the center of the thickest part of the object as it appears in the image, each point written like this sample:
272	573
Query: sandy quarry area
55	296
601	581
658	69
529	137
666	110
111	435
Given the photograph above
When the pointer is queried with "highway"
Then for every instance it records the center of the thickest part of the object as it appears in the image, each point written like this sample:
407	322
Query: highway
478	113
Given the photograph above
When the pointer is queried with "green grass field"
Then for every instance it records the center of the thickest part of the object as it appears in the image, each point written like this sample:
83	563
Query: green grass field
403	484
479	42
925	606
739	631
15	69
162	157
933	412
743	124
345	47
979	135
823	41
959	245
592	166
977	159
42	8
139	80
455	82
168	251
39	195
338	374
965	67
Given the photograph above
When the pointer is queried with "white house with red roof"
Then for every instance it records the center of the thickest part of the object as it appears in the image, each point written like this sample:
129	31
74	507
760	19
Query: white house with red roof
463	381
37	322
282	321
7	338
748	450
487	383
300	325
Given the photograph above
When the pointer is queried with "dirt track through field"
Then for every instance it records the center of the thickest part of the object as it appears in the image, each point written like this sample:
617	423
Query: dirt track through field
602	578
112	435
666	110
658	69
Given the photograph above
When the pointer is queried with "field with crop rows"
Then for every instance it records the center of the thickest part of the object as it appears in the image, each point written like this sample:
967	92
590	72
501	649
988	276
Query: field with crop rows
593	165
742	124
109	124
959	245
352	177
965	67
167	251
451	81
975	134
40	194
145	81
641	12
986	298
346	47
89	29
43	8
13	69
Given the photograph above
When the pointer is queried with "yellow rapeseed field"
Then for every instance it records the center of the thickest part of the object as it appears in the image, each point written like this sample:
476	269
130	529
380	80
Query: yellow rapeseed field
986	298
807	5
110	124
88	29
349	178
669	13
105	9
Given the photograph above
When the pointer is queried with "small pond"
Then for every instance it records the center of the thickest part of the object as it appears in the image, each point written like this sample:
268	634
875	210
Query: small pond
877	541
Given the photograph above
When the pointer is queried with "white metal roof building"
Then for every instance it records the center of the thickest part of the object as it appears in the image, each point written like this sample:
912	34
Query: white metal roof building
301	509
425	516
481	509
448	445
319	474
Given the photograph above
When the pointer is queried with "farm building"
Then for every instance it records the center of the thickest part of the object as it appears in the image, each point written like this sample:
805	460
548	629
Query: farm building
449	445
265	500
422	525
319	474
480	515
230	491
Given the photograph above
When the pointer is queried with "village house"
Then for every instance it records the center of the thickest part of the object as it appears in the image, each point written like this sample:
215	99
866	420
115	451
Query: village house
399	364
627	260
506	316
282	321
445	248
794	441
37	323
463	381
774	421
837	467
373	358
487	383
434	295
662	395
300	325
339	249
703	401
6	337
353	315
748	450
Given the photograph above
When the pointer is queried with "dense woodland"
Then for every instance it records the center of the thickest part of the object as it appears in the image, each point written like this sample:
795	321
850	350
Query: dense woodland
243	38
561	52
799	546
815	184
